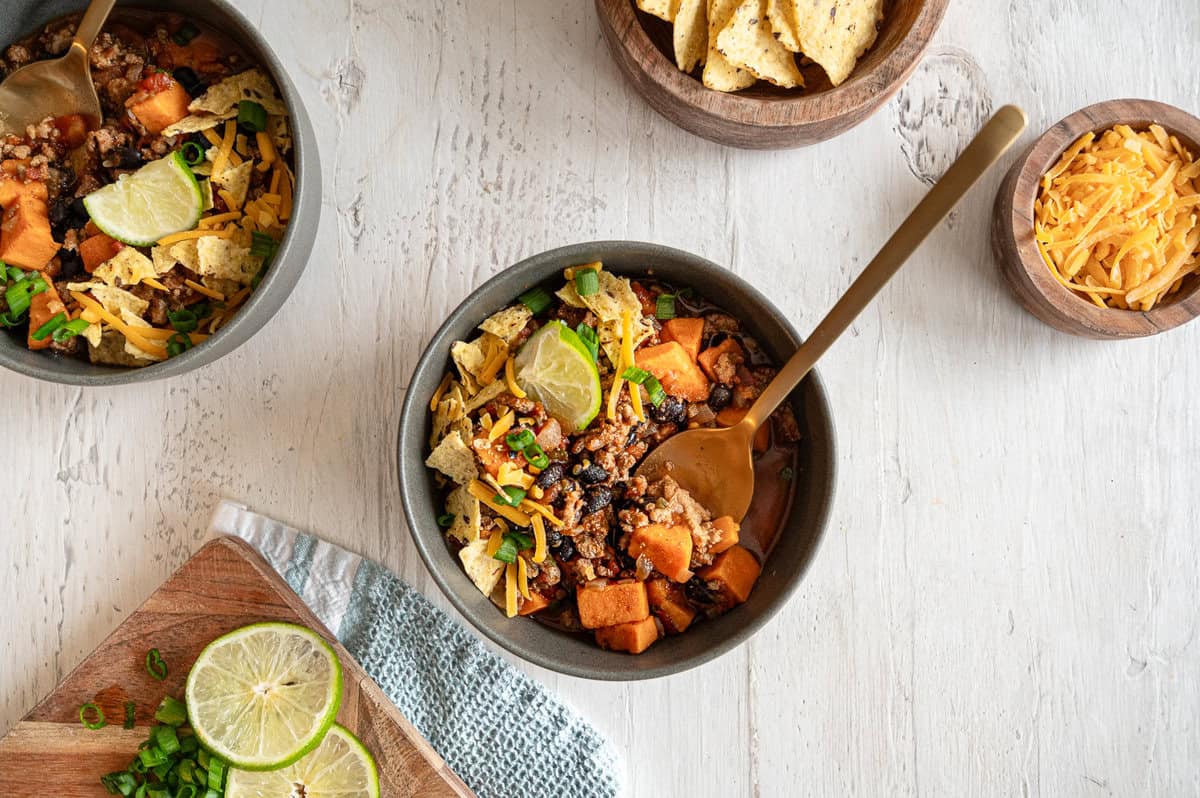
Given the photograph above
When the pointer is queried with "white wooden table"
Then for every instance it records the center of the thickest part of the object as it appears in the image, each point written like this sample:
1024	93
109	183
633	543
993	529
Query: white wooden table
1007	599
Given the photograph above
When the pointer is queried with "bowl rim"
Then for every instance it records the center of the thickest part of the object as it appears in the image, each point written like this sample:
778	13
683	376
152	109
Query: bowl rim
434	556
1015	213
245	321
862	90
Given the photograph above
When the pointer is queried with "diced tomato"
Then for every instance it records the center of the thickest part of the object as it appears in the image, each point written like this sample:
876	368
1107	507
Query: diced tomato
648	300
155	83
549	436
72	129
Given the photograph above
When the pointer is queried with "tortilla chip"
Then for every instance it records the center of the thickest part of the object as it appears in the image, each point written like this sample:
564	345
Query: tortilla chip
454	459
484	571
781	15
464	507
487	394
134	320
468	359
691	34
196	123
749	42
280	132
834	33
226	260
187	253
93	334
663	9
609	303
719	73
128	265
222	98
162	259
508	323
114	300
236	182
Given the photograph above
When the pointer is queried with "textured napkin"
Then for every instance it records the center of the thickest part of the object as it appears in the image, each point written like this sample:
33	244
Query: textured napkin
500	731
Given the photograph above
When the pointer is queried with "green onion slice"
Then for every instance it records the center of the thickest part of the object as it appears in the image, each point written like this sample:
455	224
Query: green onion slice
171	712
536	299
511	496
130	714
216	773
522	540
587	282
446	520
193	154
177	344
252	116
636	375
155	665
517	441
92	709
655	390
184	321
17	298
262	245
507	551
165	738
43	332
70	330
536	456
10	320
590	339
664	307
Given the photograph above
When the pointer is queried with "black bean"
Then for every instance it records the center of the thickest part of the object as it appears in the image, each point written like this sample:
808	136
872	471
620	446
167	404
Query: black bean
190	81
72	264
550	475
565	550
591	474
633	435
124	158
554	538
716	339
720	397
79	213
597	499
671	411
697	590
60	212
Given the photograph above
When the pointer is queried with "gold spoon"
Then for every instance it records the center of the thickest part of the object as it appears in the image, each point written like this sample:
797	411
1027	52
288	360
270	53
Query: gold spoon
56	88
715	465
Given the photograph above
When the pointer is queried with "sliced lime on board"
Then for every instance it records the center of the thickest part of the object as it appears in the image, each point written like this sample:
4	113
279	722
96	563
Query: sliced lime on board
340	767
557	369
157	200
263	696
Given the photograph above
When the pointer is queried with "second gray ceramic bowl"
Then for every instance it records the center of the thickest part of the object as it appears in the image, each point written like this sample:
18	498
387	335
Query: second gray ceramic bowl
797	543
19	18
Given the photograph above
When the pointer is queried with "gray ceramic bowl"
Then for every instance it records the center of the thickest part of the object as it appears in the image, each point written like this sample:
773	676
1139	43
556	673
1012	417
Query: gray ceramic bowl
18	18
797	543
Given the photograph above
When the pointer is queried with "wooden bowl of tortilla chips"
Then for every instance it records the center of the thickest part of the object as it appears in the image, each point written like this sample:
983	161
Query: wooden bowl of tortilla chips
768	74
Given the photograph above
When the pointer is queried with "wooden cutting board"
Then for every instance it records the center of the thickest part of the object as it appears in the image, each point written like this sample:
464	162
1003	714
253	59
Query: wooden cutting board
224	586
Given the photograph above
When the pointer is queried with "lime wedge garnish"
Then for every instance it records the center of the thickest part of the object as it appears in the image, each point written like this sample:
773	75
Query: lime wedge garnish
263	696
557	369
340	767
157	200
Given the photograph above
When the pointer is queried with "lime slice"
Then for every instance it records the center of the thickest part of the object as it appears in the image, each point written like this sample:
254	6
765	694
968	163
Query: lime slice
264	695
157	200
339	768
557	369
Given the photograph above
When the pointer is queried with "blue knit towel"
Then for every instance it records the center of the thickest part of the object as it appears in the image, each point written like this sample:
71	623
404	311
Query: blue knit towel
500	731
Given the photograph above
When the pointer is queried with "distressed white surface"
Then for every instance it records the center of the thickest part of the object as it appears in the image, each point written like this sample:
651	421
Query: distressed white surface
1007	600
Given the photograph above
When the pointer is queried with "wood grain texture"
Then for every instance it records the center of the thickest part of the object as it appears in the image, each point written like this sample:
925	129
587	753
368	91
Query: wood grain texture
765	117
1006	601
226	585
1017	252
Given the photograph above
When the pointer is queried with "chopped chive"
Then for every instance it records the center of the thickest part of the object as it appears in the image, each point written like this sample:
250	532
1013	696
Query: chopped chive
165	738
151	757
655	390
507	551
130	714
262	245
536	299
155	665
664	308
636	375
186	33
216	773
536	456
522	540
587	282
193	154
44	332
511	496
171	712
252	116
184	321
446	520
590	339
17	298
517	441
70	330
91	709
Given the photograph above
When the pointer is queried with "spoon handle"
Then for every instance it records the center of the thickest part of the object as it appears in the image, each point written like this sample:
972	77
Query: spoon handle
984	150
93	20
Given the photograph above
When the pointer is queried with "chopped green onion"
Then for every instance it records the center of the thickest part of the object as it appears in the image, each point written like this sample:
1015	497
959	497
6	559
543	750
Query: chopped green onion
587	282
590	339
188	745
636	375
17	298
664	307
152	757
155	665
70	330
263	246
43	332
655	390
202	310
92	709
9	320
517	441
130	714
511	496
446	520
216	773
193	154
187	31
36	285
536	299
14	273
536	456
186	791
522	540
507	551
177	344
165	738
171	712
184	321
120	783
252	116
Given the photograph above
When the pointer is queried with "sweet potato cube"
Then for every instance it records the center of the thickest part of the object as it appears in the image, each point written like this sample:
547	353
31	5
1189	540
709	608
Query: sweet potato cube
735	571
534	603
731	416
668	603
675	369
96	250
163	109
689	333
668	547
42	308
611	603
728	528
25	238
13	188
718	369
633	637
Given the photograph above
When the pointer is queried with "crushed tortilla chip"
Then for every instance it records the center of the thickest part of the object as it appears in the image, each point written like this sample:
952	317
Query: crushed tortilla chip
835	33
485	395
226	260
454	459
196	123
236	182
128	266
508	323
748	42
114	300
614	298
468	358
464	507
280	132
222	98
483	569
187	253
134	320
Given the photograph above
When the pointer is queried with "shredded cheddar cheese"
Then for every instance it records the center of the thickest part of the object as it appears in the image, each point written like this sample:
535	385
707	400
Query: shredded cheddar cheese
539	538
542	510
266	150
512	475
225	148
635	391
437	395
510	590
523	578
502	426
203	289
220	218
132	334
155	284
1116	218
494	543
487	496
187	235
510	378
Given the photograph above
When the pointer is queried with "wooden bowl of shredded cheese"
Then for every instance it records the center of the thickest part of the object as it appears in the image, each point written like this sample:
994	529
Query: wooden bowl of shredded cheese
1097	226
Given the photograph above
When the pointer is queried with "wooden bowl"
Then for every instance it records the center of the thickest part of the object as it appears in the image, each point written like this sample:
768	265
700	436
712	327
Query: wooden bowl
1017	253
765	117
